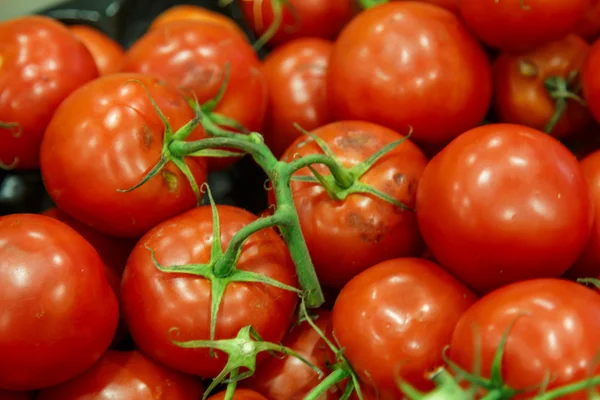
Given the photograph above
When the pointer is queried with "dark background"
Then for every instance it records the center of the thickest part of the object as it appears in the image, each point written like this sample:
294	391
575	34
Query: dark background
125	21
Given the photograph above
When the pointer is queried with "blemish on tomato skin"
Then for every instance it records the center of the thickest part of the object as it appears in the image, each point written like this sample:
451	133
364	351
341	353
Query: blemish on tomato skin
369	231
170	180
147	136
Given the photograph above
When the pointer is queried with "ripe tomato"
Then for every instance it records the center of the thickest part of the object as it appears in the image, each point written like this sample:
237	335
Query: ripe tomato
126	375
193	55
395	318
522	24
588	265
288	378
504	203
591	80
407	64
112	251
184	12
113	123
156	301
302	18
589	28
296	76
59	313
348	236
555	334
107	53
40	64
520	94
240	394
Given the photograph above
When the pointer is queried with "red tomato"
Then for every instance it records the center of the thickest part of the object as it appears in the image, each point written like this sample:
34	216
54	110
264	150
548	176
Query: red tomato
191	12
112	251
59	313
555	333
107	53
288	378
346	237
193	55
240	394
522	24
591	80
410	64
504	203
40	64
113	123
588	265
296	76
395	318
126	375
520	94
156	301
6	395
302	18
589	28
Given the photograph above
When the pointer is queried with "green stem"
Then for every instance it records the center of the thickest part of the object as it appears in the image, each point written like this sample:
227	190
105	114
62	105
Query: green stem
279	173
226	264
341	175
570	389
371	3
335	377
231	386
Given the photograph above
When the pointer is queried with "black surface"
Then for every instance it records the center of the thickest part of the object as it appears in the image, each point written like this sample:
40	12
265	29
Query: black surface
125	21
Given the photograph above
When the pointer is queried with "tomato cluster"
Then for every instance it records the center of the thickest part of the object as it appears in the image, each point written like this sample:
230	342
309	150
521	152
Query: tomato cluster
432	228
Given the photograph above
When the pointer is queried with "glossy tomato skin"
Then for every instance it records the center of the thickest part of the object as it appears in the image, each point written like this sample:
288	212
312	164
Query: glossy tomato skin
296	75
112	122
41	63
316	19
395	318
532	22
555	332
184	12
450	5
288	378
346	237
60	313
192	56
591	80
504	203
126	375
240	394
589	28
155	301
107	53
412	64
112	251
519	93
588	264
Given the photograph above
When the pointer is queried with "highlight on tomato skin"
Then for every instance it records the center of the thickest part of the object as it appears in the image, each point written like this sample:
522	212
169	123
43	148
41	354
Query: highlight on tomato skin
539	318
127	375
42	63
398	335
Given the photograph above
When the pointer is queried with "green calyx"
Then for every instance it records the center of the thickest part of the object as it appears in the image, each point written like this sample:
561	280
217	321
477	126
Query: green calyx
590	281
366	4
277	7
166	156
341	370
242	352
221	269
345	181
562	90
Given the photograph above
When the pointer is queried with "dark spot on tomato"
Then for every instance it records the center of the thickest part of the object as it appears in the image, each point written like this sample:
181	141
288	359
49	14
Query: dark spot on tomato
353	140
399	178
369	231
147	136
170	179
200	76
